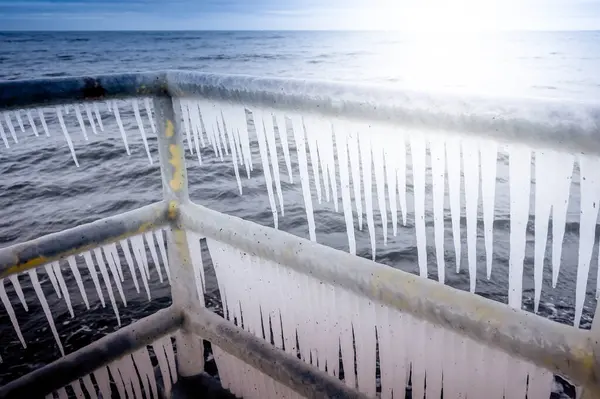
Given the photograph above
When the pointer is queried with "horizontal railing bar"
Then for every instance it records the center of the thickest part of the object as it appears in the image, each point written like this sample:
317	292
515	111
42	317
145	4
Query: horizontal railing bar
292	372
559	124
86	360
553	123
562	349
44	92
23	256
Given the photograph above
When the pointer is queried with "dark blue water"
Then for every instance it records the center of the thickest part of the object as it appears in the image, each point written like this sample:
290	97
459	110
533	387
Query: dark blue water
41	191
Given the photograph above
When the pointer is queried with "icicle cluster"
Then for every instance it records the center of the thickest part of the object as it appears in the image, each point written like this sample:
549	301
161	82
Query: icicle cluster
262	297
245	381
132	375
106	271
366	155
87	115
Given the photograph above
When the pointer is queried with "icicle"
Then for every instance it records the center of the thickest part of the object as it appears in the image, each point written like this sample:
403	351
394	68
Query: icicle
76	386
140	258
489	159
43	120
194	119
32	123
400	364
66	134
590	197
159	351
19	120
245	141
543	203
153	254
342	152
563	169
129	260
163	251
221	138
454	160
520	181
267	120
365	158
140	123
3	135
540	383
130	377
314	158
53	280
438	174
433	362
11	313
471	172
40	294
73	265
144	366
364	329
62	393
516	379
283	138
209	119
92	270
355	170
148	108
88	113
417	149
11	128
401	177
377	153
327	146
101	376
185	111
98	117
298	131
234	155
262	145
115	109
111	252
113	269
89	386
385	344
14	279
107	283
168	347
80	120
390	176
109	106
196	257
118	379
63	286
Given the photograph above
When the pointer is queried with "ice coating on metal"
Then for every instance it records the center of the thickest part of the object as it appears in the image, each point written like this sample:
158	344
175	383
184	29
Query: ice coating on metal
333	318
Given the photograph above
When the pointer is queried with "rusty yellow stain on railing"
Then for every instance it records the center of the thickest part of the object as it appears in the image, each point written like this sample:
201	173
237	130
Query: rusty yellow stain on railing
169	129
177	181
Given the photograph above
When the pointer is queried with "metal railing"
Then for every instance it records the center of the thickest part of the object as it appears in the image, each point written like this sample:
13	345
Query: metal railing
561	349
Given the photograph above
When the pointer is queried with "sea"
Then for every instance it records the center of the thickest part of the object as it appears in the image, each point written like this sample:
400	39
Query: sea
41	190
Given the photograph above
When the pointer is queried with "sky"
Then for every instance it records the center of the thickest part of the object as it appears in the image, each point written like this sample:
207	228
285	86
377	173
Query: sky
403	15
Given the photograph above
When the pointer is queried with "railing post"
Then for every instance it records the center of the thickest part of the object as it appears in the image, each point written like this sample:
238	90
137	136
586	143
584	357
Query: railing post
190	349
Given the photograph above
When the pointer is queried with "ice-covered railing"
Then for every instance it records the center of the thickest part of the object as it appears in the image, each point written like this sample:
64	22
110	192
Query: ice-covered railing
293	293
